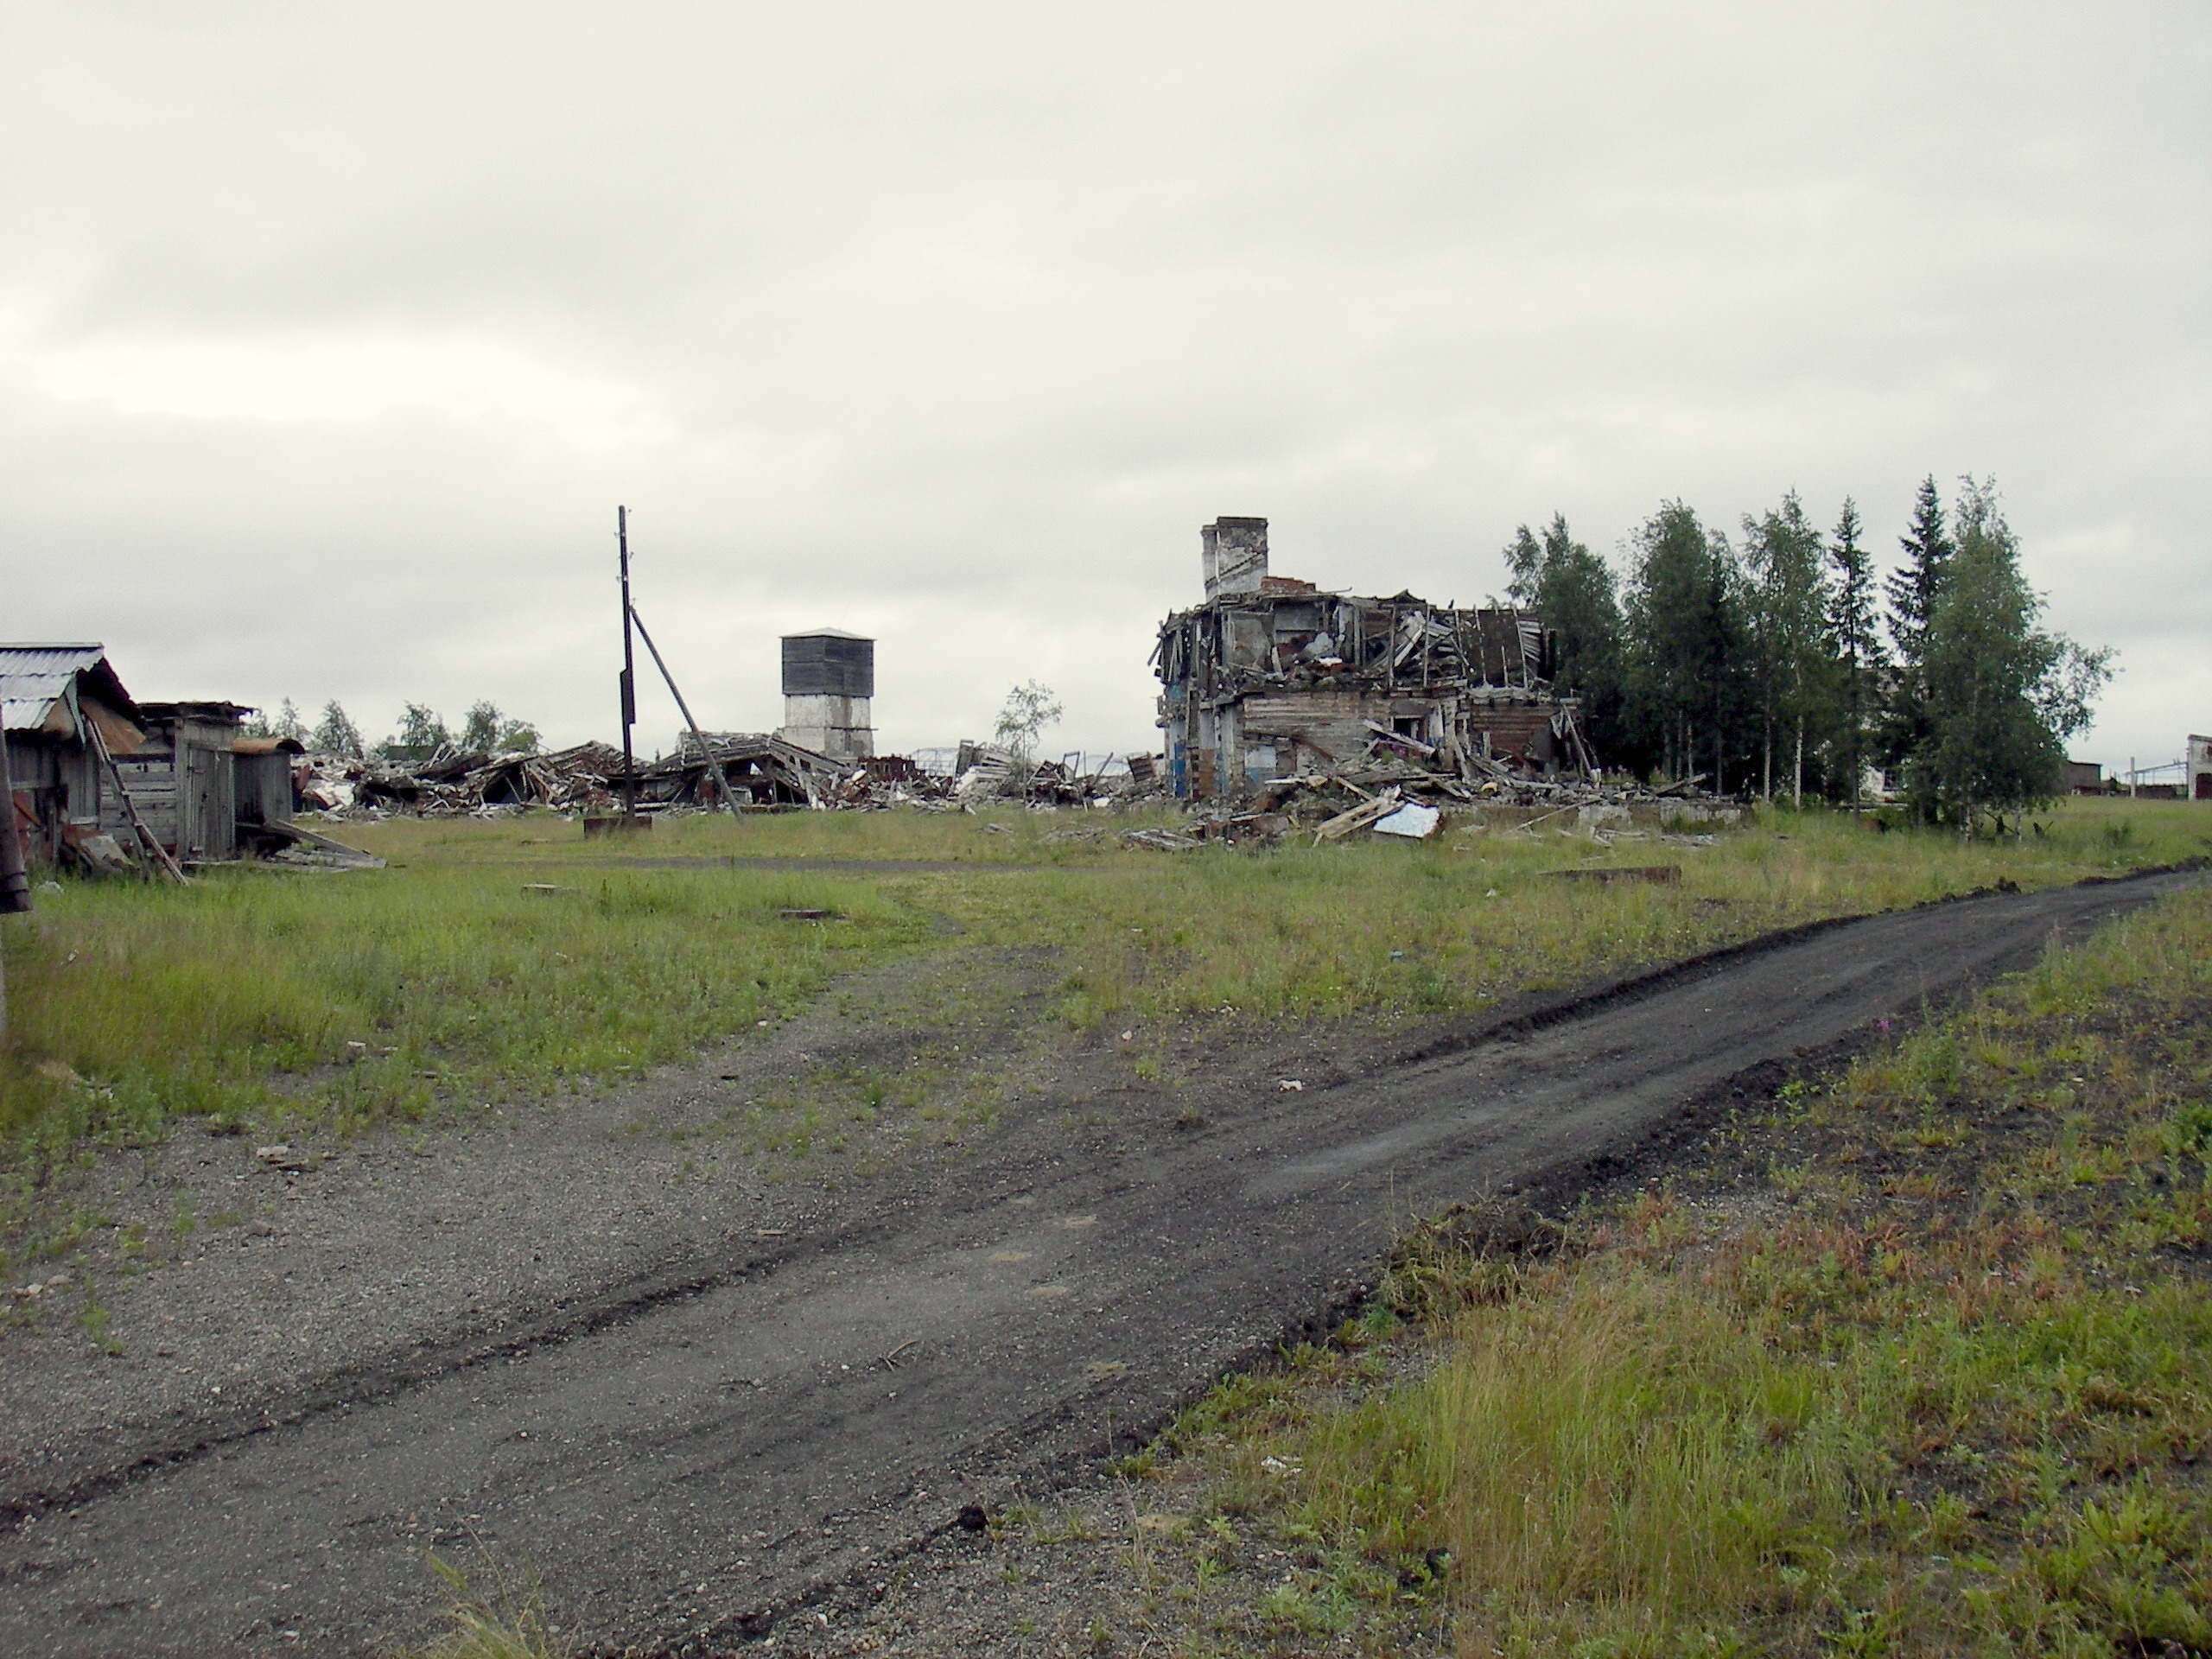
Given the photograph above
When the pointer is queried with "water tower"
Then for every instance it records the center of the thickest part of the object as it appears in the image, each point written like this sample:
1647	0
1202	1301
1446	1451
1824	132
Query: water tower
828	684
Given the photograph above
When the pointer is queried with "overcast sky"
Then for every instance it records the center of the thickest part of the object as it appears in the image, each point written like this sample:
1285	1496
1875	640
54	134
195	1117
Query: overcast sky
331	335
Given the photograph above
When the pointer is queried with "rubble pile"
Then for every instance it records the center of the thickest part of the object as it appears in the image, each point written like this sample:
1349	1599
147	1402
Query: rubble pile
1400	786
710	772
1397	785
450	784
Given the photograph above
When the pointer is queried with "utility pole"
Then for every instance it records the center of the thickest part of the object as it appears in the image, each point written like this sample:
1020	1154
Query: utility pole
629	670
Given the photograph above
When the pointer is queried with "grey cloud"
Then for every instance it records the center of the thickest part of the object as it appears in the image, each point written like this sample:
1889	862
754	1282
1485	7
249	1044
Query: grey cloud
954	322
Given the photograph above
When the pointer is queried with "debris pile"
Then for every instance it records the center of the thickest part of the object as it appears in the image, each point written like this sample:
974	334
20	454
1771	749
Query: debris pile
451	783
710	772
1397	790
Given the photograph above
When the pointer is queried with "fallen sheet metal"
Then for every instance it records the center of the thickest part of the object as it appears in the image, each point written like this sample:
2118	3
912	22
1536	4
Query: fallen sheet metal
1413	820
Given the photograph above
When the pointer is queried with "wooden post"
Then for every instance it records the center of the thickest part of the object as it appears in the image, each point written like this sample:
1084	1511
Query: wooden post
15	879
629	668
14	876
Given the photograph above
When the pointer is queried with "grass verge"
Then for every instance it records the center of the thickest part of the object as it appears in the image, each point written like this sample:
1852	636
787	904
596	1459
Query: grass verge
1921	1363
351	999
500	961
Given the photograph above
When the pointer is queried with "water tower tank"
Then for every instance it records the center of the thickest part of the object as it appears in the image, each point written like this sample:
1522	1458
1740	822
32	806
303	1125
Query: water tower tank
829	688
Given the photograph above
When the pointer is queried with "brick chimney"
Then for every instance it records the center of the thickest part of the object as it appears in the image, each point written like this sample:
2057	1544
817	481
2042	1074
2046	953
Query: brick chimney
1234	553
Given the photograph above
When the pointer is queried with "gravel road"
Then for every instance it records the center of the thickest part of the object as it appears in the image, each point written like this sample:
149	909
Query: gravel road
691	1405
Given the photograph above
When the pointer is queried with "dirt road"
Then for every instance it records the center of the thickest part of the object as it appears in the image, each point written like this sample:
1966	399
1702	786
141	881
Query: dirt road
690	1446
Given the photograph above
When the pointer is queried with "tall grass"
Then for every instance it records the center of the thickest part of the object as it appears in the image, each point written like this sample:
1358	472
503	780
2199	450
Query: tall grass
256	993
269	993
1456	922
1002	834
1960	1412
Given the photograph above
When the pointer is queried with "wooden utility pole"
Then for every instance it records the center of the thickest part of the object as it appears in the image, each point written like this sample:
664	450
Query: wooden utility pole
629	669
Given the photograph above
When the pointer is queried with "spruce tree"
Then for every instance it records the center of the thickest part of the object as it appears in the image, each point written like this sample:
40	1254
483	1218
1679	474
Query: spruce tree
1856	647
1913	589
1914	586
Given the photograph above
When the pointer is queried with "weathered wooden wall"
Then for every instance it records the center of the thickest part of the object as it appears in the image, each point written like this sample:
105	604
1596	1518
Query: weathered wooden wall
265	787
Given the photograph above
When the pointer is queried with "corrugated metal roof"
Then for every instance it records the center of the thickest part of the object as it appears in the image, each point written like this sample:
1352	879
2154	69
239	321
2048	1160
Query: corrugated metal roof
49	659
32	677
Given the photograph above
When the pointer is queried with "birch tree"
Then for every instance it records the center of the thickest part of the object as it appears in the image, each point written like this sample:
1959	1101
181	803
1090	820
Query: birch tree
1789	614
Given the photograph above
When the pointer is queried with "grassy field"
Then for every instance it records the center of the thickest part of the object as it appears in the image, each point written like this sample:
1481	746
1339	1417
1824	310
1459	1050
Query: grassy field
505	960
1919	1365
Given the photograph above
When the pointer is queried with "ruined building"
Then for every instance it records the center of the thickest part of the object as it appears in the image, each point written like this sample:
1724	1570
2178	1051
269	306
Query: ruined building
1271	677
828	691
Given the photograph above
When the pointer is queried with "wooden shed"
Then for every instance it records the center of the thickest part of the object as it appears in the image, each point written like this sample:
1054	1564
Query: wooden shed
54	698
262	768
183	778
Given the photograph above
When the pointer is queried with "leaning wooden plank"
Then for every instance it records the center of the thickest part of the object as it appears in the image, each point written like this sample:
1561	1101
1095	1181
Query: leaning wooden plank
1358	817
154	849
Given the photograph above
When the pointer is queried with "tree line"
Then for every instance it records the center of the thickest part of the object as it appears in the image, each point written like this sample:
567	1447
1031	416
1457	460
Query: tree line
423	732
1782	665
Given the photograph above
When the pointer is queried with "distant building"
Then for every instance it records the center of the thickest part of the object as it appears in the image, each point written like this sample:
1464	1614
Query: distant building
830	692
2085	778
1271	677
2200	767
